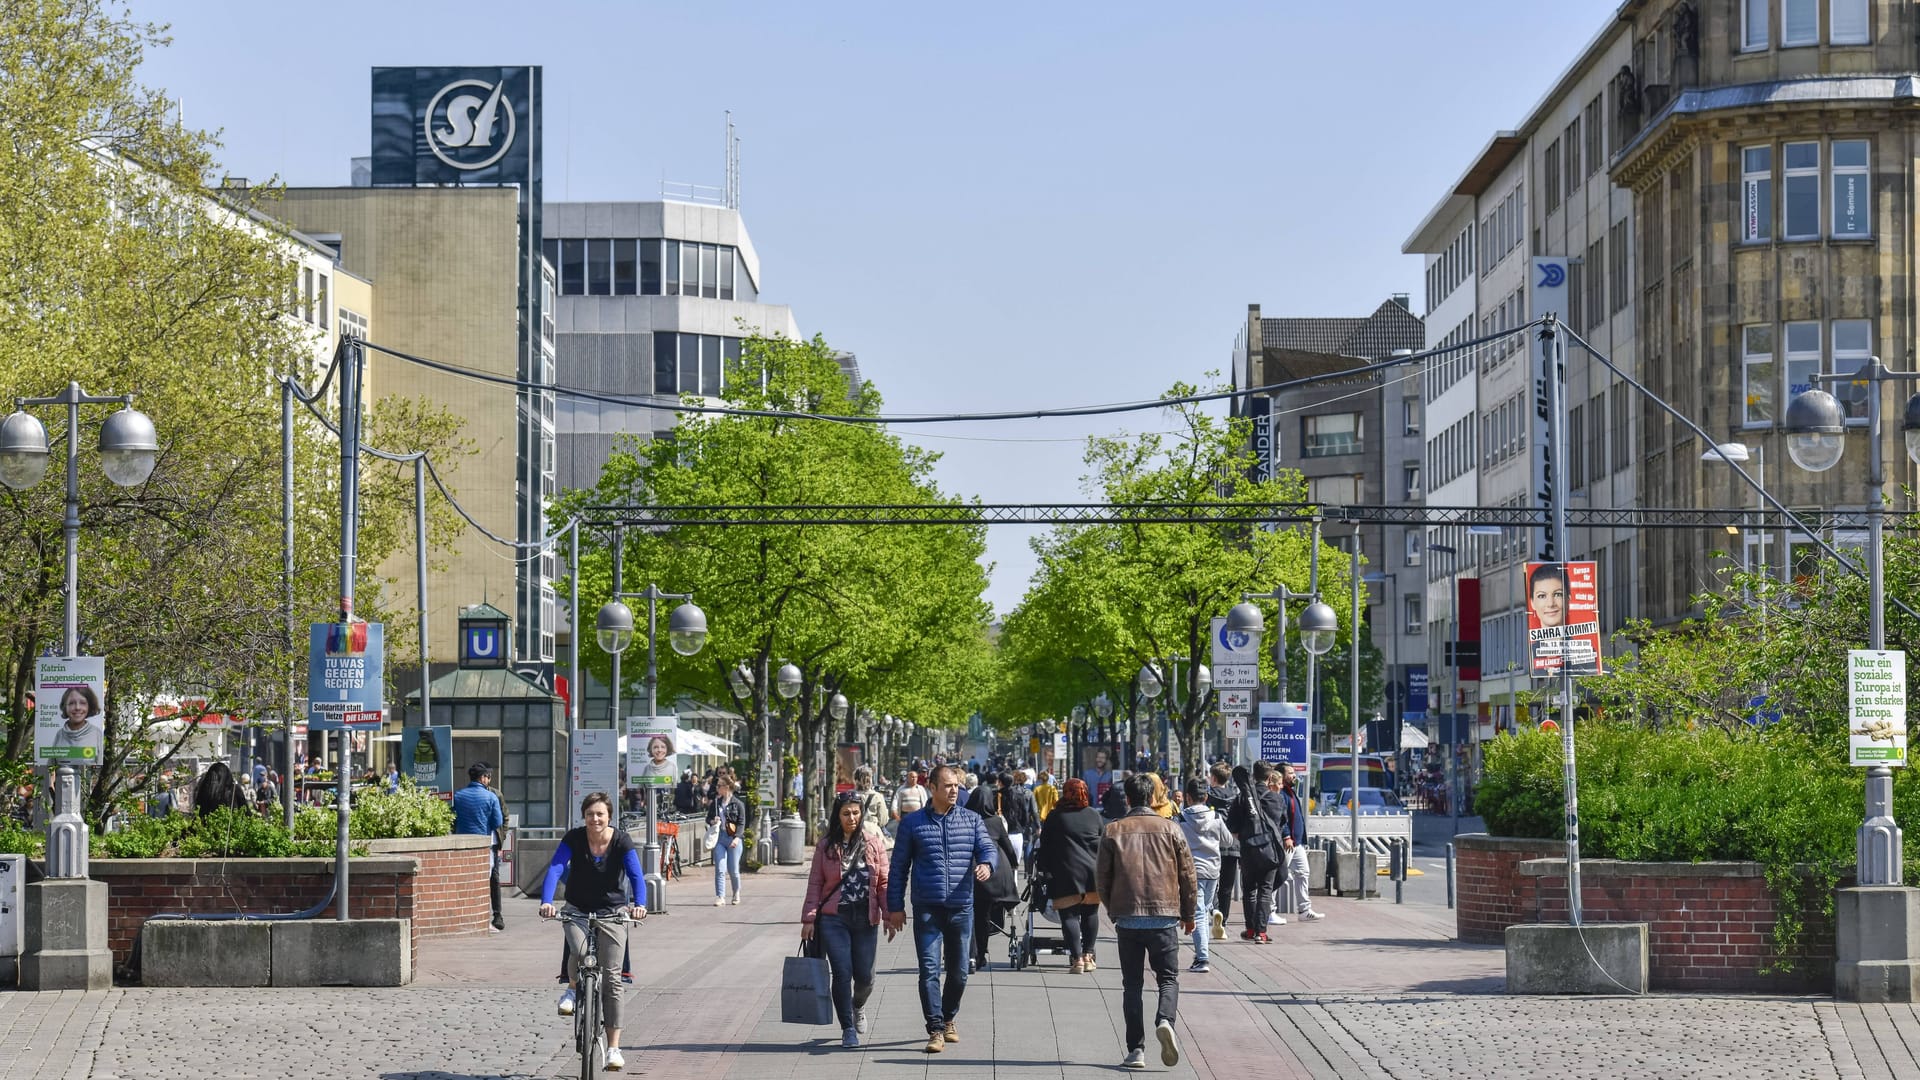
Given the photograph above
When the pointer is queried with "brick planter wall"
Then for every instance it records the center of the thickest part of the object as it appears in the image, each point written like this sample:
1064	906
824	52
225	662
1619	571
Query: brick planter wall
380	887
1487	884
450	888
439	883
1710	925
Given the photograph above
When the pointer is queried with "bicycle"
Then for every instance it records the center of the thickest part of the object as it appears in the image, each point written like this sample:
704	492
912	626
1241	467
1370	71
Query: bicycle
589	1026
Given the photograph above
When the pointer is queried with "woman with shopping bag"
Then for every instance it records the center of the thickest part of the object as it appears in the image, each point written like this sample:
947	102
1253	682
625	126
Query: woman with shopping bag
845	905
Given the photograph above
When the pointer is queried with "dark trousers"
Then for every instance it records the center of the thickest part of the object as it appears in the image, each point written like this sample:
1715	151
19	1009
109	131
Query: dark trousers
942	936
989	919
1229	873
1258	898
850	942
493	891
1140	949
1081	925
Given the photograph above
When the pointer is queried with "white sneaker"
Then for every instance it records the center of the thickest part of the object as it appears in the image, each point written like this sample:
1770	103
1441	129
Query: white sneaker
1275	920
615	1059
860	1020
1312	916
1169	1046
719	901
566	1002
736	898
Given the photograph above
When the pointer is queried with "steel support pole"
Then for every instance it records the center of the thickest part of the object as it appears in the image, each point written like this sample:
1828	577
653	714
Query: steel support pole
1880	860
650	854
1353	712
420	586
286	587
574	687
1552	359
350	380
613	687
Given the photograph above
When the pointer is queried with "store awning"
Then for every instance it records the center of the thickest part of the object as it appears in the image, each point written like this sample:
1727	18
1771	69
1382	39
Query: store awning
695	741
1412	738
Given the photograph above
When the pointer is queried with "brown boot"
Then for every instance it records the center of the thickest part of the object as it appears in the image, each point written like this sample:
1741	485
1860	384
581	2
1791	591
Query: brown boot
953	1033
935	1043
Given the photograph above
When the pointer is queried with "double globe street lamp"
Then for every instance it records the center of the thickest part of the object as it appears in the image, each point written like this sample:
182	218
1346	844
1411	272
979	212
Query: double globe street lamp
1318	625
1816	427
686	633
128	448
1153	681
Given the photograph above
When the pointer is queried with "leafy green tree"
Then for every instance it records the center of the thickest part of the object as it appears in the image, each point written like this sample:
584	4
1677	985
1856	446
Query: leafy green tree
1110	598
890	616
120	271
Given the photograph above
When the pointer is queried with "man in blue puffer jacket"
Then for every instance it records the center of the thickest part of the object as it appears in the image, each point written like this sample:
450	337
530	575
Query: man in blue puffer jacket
943	849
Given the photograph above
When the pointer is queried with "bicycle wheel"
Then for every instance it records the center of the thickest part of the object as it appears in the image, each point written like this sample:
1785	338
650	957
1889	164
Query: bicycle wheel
592	1048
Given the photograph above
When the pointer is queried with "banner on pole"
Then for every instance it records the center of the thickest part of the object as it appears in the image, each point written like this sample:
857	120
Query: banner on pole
1283	733
68	721
346	676
1876	707
1563	617
653	757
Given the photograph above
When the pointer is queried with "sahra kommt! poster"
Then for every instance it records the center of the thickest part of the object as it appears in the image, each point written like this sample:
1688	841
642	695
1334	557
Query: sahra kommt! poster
1563	617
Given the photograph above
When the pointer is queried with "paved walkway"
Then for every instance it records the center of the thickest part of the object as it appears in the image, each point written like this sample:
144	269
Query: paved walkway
1373	991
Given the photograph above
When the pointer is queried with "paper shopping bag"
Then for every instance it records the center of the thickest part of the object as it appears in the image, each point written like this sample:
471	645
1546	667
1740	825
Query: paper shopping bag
806	995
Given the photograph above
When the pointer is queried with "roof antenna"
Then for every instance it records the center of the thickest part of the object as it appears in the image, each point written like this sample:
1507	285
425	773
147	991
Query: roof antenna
733	165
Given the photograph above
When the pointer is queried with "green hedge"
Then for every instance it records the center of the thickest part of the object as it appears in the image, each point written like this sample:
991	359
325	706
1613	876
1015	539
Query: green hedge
1773	797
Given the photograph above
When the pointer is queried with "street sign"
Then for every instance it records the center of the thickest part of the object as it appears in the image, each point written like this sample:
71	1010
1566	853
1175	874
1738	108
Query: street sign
1236	725
596	765
346	679
1236	702
1761	715
1549	726
1876	707
1283	732
1236	657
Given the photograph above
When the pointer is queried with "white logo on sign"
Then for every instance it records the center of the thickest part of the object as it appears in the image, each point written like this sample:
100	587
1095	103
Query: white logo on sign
460	128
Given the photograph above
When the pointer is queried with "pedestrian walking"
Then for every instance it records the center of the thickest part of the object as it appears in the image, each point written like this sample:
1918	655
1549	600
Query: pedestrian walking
1220	796
726	829
1258	820
1145	877
1296	873
845	905
873	805
1021	811
1044	796
941	850
476	812
1206	834
911	795
1113	805
994	897
1069	852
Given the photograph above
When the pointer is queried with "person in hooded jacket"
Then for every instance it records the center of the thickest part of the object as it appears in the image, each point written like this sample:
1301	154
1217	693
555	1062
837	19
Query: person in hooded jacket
994	897
1069	851
1113	805
1261	856
1220	796
1206	834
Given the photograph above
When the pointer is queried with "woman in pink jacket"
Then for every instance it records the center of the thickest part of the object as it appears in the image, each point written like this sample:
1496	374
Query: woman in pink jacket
846	902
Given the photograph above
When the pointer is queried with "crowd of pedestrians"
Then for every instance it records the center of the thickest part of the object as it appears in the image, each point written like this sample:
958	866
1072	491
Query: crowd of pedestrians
941	856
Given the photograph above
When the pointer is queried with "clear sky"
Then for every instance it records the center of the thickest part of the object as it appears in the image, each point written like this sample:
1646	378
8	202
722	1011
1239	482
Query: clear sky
993	205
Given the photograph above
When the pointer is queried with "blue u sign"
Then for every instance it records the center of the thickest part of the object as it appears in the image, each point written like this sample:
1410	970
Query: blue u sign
483	643
1552	275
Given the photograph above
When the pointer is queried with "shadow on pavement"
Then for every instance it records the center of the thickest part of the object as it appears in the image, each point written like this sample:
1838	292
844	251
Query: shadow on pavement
1446	944
438	1074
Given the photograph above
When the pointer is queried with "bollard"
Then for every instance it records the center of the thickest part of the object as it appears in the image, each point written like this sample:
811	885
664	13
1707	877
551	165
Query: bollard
1397	867
1449	877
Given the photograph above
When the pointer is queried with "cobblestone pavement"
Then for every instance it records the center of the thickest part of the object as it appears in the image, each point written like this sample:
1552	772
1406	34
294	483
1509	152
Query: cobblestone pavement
1373	991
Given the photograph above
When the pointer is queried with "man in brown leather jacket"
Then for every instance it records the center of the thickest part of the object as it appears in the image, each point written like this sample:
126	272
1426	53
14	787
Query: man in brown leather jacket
1144	874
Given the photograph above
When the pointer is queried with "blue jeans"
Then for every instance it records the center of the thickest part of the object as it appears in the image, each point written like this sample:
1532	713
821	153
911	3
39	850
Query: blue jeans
1203	926
942	933
850	942
726	865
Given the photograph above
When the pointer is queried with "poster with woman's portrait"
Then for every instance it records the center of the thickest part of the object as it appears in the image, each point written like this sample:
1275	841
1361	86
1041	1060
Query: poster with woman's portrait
652	752
1563	617
69	722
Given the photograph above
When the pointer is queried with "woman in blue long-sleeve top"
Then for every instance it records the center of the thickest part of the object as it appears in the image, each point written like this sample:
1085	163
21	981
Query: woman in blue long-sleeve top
594	859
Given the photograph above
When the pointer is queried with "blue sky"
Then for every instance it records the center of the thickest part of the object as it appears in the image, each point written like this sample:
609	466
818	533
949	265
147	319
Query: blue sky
993	205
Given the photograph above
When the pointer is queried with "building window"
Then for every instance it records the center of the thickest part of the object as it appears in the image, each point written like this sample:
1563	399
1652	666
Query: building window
1415	620
1622	417
1570	146
1326	436
1410	414
1410	474
1551	168
1756	366
320	302
1800	191
1596	438
1596	282
600	267
306	294
625	277
650	267
1850	189
1756	193
1799	22
1413	547
1847	22
1335	490
1576	438
1594	117
692	363
1852	348
665	353
1753	24
1619	278
573	268
1803	357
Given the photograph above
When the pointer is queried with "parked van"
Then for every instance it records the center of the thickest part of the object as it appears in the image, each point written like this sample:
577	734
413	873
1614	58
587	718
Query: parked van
1333	772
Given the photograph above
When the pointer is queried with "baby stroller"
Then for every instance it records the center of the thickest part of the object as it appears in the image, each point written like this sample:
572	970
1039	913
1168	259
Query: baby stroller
1038	912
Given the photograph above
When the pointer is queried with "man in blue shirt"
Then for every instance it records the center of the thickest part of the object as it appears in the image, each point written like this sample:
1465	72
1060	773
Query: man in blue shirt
476	812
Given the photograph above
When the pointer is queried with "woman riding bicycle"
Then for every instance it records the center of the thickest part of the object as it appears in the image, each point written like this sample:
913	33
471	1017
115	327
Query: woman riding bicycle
594	858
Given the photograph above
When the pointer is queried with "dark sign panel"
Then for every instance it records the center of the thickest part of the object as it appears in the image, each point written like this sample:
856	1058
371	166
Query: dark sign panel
456	125
1261	410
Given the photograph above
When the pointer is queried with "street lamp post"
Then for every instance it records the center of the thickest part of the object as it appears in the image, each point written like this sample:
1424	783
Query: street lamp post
686	633
1199	680
1816	427
128	447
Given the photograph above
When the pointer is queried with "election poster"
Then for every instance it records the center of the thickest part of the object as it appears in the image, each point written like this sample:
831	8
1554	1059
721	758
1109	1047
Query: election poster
68	722
652	753
1563	617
